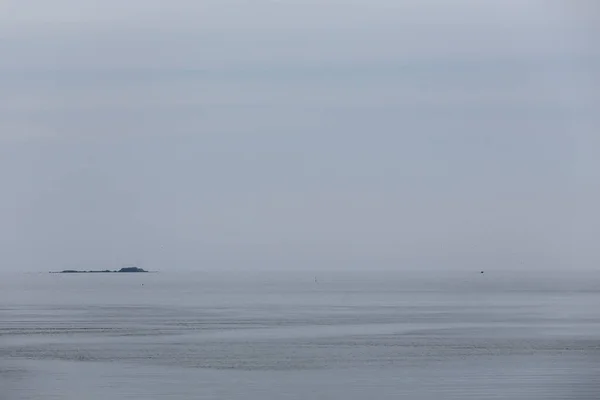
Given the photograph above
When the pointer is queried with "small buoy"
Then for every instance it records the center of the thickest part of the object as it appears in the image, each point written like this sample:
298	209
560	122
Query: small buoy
482	272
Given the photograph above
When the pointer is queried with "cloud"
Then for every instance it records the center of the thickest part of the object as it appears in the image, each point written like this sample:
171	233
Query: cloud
415	133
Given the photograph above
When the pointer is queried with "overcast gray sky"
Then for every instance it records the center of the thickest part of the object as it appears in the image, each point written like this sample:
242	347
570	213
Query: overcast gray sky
295	134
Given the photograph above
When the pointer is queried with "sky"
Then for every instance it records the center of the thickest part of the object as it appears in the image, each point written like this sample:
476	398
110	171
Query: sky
250	134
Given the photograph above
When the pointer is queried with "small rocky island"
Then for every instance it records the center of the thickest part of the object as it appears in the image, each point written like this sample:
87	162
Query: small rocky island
106	271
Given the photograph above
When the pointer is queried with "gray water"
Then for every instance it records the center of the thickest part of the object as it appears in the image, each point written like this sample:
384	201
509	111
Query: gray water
284	336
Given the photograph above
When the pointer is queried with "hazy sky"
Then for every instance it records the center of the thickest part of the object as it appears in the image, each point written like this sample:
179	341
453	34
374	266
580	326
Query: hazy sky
295	134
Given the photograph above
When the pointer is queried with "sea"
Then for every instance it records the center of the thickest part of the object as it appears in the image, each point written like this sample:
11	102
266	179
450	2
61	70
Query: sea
350	335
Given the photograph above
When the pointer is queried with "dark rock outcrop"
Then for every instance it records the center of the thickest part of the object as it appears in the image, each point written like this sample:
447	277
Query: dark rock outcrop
132	269
125	269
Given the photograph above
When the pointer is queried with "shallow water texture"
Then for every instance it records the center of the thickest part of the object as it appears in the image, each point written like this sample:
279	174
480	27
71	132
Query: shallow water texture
285	336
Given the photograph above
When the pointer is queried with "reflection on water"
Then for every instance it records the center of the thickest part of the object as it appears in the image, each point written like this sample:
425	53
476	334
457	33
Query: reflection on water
194	336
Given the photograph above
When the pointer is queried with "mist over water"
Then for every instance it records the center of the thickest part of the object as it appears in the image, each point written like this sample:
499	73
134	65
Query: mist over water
257	335
232	137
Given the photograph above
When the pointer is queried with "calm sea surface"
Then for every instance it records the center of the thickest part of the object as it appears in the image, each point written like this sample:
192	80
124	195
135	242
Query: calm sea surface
284	336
